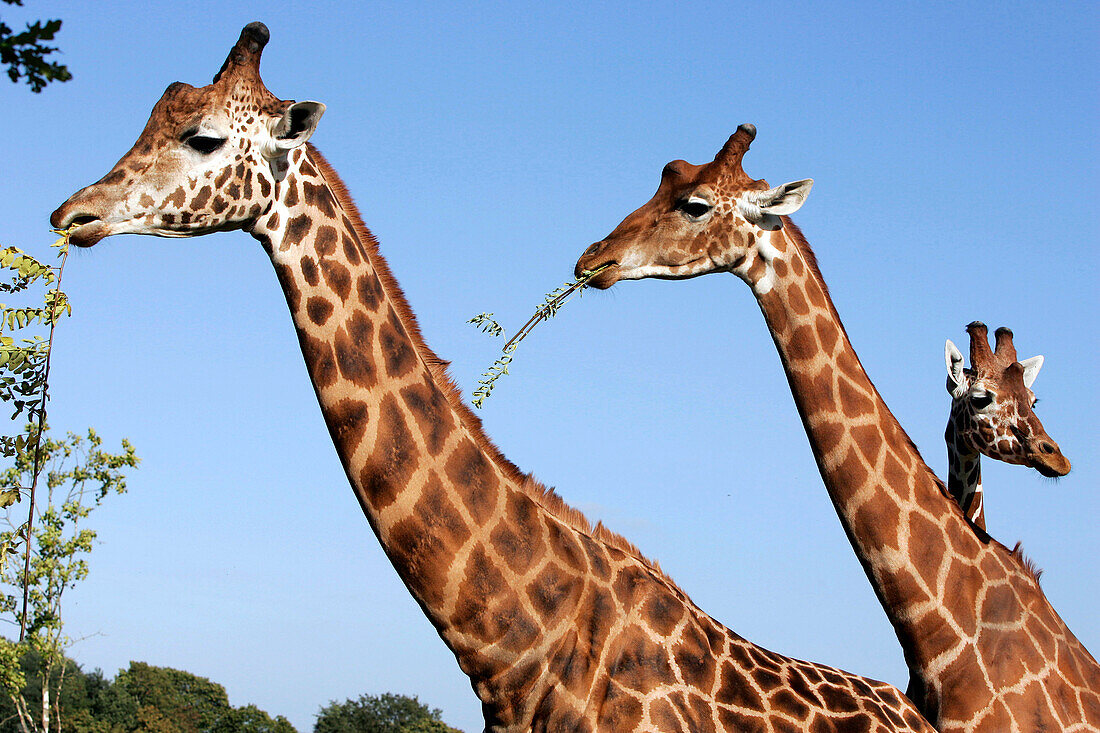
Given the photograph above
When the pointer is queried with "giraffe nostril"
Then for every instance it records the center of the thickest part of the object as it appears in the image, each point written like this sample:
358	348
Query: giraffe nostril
592	249
1047	448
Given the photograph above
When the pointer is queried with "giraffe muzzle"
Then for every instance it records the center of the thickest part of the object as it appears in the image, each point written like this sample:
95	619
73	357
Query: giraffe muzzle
1047	459
89	228
1040	452
594	258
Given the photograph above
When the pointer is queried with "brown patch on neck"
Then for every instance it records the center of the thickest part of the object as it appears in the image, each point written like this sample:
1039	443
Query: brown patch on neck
437	368
797	239
795	236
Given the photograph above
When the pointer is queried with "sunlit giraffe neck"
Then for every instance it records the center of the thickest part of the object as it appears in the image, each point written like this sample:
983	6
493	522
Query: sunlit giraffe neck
985	649
560	626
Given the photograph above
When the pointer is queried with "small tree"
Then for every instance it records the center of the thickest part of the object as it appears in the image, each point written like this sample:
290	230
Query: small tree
25	55
24	382
79	474
385	713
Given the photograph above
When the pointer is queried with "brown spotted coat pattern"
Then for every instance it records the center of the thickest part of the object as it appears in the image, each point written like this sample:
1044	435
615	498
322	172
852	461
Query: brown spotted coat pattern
985	649
560	626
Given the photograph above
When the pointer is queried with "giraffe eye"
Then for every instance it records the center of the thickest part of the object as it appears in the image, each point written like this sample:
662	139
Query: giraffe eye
694	208
981	400
204	144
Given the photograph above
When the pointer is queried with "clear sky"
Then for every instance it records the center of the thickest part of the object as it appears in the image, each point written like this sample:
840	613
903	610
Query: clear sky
954	148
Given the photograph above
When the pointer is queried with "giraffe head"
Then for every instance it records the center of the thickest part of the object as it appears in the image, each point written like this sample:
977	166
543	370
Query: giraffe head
992	403
703	218
207	160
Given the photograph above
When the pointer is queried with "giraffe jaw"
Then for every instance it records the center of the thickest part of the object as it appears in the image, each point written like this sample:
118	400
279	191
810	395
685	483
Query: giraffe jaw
617	271
88	230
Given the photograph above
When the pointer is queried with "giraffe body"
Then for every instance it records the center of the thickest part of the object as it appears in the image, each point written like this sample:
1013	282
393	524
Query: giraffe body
992	413
985	649
559	625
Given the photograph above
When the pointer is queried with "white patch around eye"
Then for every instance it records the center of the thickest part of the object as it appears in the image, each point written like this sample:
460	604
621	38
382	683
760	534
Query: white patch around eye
983	395
696	201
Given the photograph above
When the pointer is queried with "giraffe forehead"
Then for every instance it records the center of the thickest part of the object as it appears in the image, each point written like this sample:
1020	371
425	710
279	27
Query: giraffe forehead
242	107
681	177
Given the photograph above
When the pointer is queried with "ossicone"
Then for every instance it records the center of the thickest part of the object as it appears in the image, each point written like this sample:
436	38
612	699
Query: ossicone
737	145
981	357
246	52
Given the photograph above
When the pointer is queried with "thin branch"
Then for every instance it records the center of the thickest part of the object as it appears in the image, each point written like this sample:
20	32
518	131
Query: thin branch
54	315
549	308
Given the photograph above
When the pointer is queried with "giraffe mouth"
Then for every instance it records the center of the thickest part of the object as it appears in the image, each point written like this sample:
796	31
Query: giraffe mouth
1051	465
86	230
605	279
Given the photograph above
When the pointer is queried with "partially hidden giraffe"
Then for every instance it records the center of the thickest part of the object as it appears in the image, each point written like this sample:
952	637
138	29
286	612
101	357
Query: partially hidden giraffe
561	626
992	414
985	649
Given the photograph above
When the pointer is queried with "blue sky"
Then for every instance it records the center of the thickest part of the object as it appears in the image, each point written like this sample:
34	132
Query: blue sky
954	150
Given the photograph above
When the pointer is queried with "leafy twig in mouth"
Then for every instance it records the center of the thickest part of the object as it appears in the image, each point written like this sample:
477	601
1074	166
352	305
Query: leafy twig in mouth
551	304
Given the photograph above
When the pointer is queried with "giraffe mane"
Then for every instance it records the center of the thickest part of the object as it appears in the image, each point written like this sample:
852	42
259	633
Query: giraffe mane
1026	562
542	495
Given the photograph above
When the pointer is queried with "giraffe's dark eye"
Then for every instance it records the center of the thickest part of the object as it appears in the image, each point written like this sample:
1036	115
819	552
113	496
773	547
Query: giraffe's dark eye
694	207
981	400
204	144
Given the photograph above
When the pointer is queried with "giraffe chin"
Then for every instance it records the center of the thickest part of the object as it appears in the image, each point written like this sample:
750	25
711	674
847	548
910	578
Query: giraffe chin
89	234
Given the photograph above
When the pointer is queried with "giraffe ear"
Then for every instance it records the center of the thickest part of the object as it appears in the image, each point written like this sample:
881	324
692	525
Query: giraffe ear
763	208
1031	369
296	126
956	376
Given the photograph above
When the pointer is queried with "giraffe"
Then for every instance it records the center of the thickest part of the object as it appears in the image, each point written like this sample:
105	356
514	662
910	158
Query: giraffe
985	649
559	624
992	412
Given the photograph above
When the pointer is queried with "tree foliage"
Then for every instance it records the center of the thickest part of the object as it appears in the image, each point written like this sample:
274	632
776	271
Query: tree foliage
146	699
24	53
79	475
165	700
385	713
78	695
24	374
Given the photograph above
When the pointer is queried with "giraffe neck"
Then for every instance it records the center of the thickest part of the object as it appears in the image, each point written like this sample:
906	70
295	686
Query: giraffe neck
428	482
964	474
892	507
956	598
501	567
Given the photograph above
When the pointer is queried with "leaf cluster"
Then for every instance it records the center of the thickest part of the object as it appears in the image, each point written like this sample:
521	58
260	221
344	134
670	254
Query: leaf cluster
551	304
24	362
79	474
24	53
